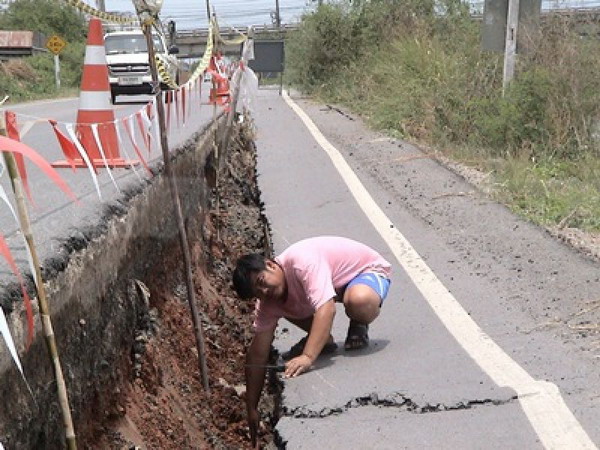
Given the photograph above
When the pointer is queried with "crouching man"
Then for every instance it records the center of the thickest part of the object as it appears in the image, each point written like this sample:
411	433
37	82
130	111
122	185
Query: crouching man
302	285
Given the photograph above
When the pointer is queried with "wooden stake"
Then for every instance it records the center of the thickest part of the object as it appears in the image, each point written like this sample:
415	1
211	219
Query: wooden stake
178	211
215	145
63	398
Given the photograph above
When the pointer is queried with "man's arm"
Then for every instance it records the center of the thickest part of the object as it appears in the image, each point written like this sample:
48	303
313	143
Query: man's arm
317	338
256	358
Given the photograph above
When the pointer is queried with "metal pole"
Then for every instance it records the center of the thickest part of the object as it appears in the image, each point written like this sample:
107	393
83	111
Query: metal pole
57	70
510	49
277	16
185	249
208	11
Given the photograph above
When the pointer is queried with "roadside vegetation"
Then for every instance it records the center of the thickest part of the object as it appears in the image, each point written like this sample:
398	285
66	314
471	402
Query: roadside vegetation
33	77
421	75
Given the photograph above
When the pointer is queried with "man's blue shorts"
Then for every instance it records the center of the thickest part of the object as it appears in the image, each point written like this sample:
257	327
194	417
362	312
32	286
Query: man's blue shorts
379	283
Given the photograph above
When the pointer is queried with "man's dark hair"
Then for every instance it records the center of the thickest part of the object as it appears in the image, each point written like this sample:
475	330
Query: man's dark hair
252	262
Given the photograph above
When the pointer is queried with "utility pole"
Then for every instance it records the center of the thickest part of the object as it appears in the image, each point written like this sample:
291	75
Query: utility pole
101	5
510	49
277	16
172	28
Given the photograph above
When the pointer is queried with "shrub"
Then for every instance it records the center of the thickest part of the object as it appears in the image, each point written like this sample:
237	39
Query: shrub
46	16
416	69
323	44
519	121
35	78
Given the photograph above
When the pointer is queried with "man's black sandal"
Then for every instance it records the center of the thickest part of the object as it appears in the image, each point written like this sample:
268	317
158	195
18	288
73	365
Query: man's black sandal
358	336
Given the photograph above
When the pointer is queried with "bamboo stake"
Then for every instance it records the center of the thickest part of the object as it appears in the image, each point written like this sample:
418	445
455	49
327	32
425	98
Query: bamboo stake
63	398
147	28
212	23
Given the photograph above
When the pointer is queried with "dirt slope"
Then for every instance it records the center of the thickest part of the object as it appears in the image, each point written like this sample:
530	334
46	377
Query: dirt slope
163	406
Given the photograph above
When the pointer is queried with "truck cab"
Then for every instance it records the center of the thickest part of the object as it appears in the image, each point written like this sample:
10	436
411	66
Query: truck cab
129	66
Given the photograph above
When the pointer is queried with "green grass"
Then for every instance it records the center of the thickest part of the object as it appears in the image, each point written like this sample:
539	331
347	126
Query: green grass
32	78
553	192
430	83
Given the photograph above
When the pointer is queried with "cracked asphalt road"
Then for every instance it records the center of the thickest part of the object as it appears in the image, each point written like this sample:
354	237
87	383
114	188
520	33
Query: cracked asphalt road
415	386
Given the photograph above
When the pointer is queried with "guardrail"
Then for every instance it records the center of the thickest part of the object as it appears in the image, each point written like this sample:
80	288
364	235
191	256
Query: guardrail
593	12
225	31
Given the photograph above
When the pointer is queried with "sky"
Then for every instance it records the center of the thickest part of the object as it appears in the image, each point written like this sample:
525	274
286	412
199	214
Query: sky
192	14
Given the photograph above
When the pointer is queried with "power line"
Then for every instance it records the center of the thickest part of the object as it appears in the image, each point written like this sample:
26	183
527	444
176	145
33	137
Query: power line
234	12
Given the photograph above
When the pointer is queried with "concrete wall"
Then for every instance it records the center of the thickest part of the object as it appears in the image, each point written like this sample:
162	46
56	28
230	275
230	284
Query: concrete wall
97	307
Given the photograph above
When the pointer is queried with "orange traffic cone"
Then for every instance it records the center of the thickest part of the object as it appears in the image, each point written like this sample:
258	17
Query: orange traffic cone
95	107
220	94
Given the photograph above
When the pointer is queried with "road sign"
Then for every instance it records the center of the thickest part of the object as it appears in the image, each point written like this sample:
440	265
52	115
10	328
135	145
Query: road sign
268	56
55	44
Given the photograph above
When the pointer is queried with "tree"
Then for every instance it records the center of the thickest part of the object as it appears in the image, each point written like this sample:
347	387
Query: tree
46	16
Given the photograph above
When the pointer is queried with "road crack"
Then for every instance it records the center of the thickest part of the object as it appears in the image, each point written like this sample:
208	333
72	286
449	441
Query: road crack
394	400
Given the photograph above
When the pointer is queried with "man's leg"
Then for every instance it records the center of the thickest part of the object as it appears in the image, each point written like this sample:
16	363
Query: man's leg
361	303
362	300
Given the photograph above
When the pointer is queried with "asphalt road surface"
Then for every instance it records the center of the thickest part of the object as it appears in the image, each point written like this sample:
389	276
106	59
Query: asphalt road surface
481	341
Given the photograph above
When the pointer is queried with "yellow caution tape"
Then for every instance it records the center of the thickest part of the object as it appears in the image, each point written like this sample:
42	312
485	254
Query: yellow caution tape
164	74
235	41
100	14
202	66
205	61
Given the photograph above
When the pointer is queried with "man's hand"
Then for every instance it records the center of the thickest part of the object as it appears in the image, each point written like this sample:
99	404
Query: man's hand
256	358
253	423
296	366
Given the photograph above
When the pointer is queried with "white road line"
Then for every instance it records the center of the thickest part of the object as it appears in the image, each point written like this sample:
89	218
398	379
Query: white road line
541	401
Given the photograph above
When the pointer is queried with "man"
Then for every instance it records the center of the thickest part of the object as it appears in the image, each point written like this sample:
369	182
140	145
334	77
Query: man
302	285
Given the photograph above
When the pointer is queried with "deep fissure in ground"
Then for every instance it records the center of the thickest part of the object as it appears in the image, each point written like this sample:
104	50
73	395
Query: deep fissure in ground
162	404
395	400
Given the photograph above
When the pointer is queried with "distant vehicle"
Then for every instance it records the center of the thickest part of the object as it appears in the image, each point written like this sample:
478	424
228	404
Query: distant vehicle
128	63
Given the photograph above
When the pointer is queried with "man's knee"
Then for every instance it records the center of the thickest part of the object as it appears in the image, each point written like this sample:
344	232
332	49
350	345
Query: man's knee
362	303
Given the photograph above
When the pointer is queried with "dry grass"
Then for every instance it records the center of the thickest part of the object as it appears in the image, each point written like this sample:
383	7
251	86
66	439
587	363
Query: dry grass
19	69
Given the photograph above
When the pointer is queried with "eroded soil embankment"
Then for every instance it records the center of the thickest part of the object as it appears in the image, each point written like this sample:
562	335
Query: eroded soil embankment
122	322
163	405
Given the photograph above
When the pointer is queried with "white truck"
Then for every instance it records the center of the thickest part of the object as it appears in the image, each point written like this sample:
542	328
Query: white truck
128	63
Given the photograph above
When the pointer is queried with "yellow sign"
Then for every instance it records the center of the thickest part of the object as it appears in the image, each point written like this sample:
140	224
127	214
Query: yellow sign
55	44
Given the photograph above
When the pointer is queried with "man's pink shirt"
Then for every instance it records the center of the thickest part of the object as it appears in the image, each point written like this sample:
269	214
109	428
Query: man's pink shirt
315	270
